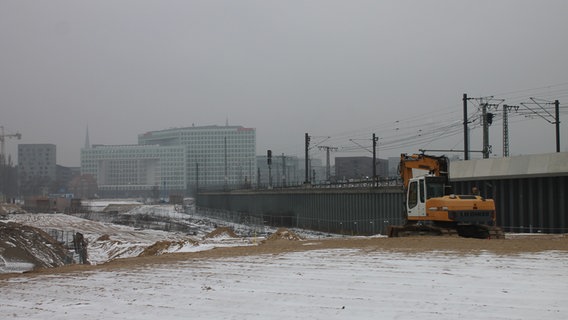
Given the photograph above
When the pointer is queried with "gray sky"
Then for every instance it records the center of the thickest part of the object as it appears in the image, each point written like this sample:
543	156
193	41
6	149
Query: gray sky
338	69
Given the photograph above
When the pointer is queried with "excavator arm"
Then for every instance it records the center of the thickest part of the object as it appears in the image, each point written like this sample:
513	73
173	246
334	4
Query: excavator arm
437	166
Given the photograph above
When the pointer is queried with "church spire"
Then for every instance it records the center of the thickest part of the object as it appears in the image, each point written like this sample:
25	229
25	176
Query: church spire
87	142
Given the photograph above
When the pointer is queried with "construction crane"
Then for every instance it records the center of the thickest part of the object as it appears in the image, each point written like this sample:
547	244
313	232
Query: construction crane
3	137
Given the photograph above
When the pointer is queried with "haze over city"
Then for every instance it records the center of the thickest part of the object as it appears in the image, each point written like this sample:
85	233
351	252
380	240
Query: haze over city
338	70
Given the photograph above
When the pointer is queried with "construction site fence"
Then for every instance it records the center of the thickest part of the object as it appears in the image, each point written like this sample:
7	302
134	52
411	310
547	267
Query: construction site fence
72	241
252	222
533	229
337	226
64	237
258	222
143	221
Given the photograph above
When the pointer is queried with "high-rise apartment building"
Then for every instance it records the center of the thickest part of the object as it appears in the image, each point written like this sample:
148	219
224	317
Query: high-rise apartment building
36	168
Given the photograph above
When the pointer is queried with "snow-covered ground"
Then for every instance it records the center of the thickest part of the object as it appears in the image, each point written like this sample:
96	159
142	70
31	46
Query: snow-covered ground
100	205
108	241
323	284
124	241
318	284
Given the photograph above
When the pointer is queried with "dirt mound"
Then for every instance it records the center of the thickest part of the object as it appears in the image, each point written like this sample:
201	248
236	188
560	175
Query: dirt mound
8	208
34	247
407	245
104	237
156	248
284	234
161	247
120	208
222	232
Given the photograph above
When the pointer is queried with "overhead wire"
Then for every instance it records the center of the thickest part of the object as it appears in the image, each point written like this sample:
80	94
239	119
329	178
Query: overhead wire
425	128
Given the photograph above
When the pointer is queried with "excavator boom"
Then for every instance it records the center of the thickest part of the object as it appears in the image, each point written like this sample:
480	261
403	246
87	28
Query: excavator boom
437	166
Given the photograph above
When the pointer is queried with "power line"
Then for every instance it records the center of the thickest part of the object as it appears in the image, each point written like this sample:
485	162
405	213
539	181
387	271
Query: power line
537	91
423	129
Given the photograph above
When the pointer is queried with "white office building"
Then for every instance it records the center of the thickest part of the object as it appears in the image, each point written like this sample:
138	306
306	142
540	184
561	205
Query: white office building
125	170
216	156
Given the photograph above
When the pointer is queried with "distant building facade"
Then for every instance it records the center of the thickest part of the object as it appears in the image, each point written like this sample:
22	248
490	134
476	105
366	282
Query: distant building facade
174	161
136	170
394	162
216	156
84	186
37	168
64	175
359	168
285	171
289	171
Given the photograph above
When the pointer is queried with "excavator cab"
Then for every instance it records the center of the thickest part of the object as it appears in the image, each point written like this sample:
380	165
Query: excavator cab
421	189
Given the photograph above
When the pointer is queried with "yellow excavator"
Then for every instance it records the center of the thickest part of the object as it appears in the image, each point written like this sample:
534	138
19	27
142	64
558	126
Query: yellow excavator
432	209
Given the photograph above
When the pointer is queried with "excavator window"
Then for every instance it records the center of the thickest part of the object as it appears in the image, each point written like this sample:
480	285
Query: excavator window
435	187
422	191
413	194
435	190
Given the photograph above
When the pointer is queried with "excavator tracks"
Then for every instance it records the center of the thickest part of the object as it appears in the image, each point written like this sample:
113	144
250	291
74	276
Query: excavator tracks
466	231
414	230
496	233
480	231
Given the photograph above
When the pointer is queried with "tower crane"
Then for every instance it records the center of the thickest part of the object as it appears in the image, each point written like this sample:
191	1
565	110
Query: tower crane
3	137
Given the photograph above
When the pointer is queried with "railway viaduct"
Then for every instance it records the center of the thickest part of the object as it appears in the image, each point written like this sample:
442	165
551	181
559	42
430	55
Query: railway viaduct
530	194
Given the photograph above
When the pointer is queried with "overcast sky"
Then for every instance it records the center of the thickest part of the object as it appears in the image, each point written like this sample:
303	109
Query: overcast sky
337	69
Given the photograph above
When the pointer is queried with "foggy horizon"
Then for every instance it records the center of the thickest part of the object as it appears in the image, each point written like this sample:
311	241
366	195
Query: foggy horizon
339	71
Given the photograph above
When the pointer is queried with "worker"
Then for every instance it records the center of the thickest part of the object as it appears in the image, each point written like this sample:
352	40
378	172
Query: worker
475	191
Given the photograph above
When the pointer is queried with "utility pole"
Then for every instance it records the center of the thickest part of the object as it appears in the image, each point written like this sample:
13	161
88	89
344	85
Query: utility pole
375	139
328	166
307	145
505	131
258	177
226	176
486	146
557	114
487	118
545	114
486	121
269	162
465	129
506	110
283	170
